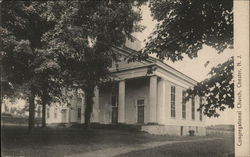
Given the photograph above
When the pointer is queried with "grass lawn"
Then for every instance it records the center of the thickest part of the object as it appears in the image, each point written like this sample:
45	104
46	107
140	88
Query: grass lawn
215	148
68	141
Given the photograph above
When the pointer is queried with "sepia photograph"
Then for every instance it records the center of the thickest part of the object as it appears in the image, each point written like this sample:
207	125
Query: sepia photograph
124	78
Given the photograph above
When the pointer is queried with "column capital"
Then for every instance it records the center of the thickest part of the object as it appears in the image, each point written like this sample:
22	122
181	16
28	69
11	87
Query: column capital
120	80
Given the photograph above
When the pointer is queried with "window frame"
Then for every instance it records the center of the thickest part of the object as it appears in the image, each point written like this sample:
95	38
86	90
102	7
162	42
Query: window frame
193	108
172	101
200	116
184	106
79	110
140	99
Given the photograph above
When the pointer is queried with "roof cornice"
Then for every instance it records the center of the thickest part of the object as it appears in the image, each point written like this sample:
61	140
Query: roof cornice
154	61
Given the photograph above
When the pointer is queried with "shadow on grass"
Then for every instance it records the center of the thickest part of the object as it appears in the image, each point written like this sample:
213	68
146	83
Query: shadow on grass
16	141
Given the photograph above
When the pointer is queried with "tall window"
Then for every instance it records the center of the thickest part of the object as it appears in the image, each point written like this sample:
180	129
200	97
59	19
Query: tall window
79	101
55	113
47	112
172	101
200	110
39	112
183	105
114	100
193	108
79	113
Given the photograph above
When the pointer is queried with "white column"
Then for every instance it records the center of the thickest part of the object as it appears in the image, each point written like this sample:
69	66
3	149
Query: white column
121	102
73	112
161	111
96	109
3	107
152	99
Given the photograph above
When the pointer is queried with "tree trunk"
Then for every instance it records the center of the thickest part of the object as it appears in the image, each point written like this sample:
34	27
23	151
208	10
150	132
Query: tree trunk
31	111
43	112
89	94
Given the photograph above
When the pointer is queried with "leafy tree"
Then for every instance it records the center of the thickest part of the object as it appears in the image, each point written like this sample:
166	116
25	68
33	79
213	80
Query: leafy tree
50	85
76	37
218	89
26	67
15	55
184	26
83	37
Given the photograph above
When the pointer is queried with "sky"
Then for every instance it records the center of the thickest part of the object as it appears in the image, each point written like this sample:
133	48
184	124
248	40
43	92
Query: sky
192	67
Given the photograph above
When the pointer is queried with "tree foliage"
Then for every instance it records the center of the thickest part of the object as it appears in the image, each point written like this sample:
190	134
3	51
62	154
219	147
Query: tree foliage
184	26
27	68
218	90
83	36
47	45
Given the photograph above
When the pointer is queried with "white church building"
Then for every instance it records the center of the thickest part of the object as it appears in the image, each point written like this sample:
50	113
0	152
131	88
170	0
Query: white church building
154	101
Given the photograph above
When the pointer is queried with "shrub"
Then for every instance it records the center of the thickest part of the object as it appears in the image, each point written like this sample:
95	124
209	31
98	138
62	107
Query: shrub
191	132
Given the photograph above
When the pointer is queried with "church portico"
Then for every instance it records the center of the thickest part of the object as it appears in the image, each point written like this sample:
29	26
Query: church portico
141	100
125	101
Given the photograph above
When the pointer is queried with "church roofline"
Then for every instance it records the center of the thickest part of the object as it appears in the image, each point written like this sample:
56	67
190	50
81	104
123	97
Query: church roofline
159	63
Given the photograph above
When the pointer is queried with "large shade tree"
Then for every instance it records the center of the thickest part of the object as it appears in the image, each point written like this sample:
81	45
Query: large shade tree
83	37
184	27
27	69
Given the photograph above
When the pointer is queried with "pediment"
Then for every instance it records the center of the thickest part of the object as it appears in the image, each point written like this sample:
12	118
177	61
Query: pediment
123	55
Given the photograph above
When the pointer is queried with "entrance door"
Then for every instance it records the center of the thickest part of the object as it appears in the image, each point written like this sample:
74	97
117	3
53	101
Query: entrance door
114	103
64	115
140	111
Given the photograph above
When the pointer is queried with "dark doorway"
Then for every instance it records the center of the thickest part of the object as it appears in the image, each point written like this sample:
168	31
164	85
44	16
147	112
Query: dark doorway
64	115
114	103
140	111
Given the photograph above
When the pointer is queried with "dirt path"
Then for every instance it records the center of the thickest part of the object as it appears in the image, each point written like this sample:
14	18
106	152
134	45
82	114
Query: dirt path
112	152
